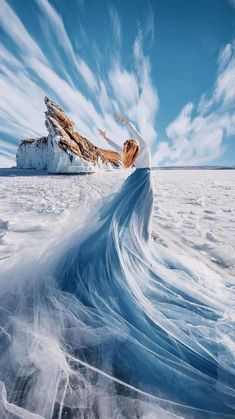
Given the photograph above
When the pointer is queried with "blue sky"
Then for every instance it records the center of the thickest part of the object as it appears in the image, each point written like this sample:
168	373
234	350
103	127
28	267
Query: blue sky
168	65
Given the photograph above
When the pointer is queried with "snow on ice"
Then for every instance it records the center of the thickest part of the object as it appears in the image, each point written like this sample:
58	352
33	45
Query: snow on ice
194	213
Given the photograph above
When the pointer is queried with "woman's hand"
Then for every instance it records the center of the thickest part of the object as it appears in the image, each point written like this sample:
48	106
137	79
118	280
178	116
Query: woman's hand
103	133
120	118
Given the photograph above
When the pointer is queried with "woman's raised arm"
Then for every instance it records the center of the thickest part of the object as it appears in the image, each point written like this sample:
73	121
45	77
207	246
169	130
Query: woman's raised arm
112	143
133	130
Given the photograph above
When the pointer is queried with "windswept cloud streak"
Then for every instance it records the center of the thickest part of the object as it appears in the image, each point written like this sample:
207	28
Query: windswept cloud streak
148	103
197	134
14	28
34	72
116	26
58	34
7	154
91	82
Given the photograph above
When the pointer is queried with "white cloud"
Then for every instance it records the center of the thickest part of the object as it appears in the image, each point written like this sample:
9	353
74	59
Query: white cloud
180	127
12	25
28	77
148	103
124	86
225	57
58	34
7	154
21	105
7	147
194	137
232	2
116	25
6	161
87	74
150	24
225	85
198	139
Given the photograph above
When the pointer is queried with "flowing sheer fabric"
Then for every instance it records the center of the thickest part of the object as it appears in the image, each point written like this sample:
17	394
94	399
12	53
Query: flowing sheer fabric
108	326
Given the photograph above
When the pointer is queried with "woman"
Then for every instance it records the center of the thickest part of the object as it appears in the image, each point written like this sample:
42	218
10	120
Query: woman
112	328
134	150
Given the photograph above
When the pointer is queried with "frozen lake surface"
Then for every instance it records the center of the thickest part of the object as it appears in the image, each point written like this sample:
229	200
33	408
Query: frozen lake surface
191	303
194	213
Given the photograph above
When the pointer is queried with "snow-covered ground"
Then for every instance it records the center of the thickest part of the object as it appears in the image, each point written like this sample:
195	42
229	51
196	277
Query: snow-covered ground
194	214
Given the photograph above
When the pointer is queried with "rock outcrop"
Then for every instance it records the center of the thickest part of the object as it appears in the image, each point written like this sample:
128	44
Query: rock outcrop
64	150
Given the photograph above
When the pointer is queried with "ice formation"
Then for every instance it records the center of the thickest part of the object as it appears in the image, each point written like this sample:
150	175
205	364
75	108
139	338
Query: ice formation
64	150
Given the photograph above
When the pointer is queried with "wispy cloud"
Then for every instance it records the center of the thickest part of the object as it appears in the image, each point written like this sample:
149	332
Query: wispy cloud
13	26
232	2
58	34
125	86
224	92
7	154
91	89
21	106
196	135
148	103
116	25
150	24
32	73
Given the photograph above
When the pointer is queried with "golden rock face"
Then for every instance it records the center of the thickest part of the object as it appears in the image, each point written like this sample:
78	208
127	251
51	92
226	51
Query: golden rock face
70	141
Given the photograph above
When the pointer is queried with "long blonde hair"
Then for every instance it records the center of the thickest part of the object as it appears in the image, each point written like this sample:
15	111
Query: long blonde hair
111	156
130	152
